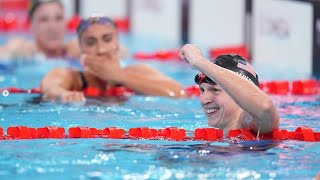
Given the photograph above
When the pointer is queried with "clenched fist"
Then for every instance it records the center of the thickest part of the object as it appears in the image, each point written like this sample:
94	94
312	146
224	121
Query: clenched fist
191	54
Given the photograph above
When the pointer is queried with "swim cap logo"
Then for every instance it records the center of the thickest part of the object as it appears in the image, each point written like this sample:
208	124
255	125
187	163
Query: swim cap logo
246	66
245	77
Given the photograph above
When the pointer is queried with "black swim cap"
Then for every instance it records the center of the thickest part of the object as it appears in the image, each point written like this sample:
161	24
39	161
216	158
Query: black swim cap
34	4
236	64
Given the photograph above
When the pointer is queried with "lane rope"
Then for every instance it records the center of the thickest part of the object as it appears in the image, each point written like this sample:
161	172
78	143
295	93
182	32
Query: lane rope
278	87
168	133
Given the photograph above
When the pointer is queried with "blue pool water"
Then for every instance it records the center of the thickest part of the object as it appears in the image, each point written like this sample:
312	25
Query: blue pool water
146	159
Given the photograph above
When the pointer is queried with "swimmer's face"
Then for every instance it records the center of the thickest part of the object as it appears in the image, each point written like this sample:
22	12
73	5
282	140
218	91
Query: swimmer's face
99	39
220	109
48	25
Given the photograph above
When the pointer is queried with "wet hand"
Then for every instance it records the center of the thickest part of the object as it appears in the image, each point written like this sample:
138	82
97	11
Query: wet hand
72	96
190	53
106	67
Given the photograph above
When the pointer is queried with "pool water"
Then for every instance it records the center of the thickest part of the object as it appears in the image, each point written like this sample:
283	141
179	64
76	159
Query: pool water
145	159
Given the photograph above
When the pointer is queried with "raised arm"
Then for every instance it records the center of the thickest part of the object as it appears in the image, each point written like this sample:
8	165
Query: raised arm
247	95
63	85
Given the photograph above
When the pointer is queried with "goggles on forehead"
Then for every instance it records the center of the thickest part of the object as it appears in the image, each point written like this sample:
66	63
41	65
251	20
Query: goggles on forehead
86	23
202	78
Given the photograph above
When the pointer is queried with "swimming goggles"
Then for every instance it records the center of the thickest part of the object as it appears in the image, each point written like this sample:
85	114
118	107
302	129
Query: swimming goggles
85	23
202	78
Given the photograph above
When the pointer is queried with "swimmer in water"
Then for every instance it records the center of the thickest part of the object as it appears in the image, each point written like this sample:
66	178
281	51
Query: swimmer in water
98	39
230	93
47	25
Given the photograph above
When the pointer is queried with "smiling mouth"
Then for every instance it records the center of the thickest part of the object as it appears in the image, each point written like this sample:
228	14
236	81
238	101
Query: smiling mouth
211	111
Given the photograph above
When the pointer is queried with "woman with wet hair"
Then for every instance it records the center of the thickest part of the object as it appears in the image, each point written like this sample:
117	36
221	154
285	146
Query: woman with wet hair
47	25
230	93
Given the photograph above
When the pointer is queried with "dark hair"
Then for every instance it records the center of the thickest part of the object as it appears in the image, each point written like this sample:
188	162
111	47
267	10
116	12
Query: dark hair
35	4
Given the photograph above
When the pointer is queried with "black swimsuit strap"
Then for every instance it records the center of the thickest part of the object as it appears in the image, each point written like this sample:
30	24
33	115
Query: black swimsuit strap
84	81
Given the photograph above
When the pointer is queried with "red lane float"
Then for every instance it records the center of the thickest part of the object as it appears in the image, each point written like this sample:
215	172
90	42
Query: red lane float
278	134
14	22
143	132
172	133
122	24
79	132
51	132
10	22
87	132
73	22
169	133
9	5
92	91
192	91
21	132
317	136
297	87
89	91
1	24
277	87
115	132
161	55
19	90
305	87
114	91
97	132
242	134
303	134
208	134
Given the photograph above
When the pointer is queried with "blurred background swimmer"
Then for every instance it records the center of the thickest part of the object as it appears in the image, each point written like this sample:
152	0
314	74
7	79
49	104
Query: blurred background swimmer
98	39
230	93
47	25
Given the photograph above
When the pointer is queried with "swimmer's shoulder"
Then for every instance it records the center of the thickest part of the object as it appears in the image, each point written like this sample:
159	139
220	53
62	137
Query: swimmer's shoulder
72	49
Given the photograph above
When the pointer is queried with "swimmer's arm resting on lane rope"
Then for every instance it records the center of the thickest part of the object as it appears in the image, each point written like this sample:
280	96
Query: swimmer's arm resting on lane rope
62	84
146	80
